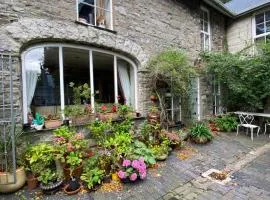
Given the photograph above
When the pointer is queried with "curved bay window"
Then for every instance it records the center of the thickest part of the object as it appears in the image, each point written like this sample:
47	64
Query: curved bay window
52	73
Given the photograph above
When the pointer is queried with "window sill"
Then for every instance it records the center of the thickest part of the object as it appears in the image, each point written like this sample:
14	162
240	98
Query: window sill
100	28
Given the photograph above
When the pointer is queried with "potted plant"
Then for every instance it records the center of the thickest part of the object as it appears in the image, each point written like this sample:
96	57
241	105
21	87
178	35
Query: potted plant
125	111
107	112
73	166
161	151
153	116
92	177
132	170
52	121
6	173
38	122
50	181
73	186
200	133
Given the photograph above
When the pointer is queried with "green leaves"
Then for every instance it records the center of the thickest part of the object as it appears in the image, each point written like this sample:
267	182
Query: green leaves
92	177
200	130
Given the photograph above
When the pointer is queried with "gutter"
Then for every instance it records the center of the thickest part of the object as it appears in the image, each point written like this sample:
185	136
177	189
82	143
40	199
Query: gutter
221	8
253	9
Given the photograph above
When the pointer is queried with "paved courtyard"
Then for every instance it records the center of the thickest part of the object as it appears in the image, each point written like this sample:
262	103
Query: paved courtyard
181	179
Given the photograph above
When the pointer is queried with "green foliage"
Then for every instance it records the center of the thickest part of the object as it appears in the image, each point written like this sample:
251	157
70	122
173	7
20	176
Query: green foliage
200	133
226	123
150	133
100	130
140	150
73	160
91	163
64	132
48	176
245	79
124	110
124	126
74	110
80	92
162	149
172	67
92	177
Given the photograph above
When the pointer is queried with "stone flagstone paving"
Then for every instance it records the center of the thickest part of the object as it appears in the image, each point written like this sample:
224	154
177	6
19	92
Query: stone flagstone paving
180	179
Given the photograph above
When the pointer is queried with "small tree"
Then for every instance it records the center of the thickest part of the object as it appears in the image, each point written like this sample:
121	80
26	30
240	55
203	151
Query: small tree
171	70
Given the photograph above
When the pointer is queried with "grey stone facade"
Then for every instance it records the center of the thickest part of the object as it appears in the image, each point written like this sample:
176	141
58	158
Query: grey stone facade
142	28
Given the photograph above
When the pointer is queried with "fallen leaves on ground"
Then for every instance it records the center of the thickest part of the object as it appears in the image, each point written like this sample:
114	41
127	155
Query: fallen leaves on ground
155	169
186	152
113	186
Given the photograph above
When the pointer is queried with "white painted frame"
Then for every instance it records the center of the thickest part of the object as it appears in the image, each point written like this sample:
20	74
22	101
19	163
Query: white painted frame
255	36
95	10
61	67
208	31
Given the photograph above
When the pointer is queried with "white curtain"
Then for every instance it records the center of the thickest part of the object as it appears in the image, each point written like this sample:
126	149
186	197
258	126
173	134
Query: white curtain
124	80
31	83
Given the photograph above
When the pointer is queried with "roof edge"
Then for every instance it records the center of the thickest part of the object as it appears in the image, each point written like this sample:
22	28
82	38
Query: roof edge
220	7
253	9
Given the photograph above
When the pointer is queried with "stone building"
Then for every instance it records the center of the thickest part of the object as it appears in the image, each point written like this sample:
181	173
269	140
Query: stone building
107	43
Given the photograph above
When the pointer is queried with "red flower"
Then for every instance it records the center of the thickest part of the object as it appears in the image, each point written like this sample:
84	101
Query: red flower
114	108
103	108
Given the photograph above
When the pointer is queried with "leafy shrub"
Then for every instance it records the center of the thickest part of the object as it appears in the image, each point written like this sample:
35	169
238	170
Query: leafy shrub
226	123
92	177
200	133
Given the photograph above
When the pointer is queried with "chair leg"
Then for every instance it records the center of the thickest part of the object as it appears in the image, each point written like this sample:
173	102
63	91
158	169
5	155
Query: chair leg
252	134
265	127
258	131
237	130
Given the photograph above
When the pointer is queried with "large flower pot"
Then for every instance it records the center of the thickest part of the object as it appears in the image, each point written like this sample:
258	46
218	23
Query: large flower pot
107	116
32	182
53	123
51	188
7	176
77	172
82	119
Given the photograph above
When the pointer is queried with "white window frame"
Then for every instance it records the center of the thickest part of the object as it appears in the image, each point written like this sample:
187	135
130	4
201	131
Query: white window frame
255	36
95	7
208	31
91	67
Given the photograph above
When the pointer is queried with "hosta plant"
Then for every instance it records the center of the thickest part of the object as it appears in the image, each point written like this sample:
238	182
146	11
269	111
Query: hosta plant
200	133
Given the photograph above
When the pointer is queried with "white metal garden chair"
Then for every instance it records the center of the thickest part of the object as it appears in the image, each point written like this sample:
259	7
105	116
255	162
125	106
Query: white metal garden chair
245	121
265	127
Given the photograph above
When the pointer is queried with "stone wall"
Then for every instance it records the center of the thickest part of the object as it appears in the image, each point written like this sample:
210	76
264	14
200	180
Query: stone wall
142	27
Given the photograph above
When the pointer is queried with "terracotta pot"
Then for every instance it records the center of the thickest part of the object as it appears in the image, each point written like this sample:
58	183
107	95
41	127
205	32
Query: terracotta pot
83	119
51	188
53	123
7	176
107	116
77	172
153	117
67	191
200	140
32	182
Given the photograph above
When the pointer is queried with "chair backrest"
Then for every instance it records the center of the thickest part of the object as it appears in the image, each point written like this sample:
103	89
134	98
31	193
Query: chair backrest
246	119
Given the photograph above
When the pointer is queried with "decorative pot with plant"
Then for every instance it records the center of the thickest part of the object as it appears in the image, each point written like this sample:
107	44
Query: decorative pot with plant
125	111
107	112
6	171
161	151
74	165
53	121
132	170
200	133
73	186
174	139
153	115
38	122
50	181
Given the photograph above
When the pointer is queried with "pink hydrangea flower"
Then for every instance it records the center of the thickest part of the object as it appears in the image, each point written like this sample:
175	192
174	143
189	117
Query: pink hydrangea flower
135	164
122	174
143	175
133	177
126	163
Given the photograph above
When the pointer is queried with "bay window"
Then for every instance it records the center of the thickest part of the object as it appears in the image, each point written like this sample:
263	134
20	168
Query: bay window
49	70
95	12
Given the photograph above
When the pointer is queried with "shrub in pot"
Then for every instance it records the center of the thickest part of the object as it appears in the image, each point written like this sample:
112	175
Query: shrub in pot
200	133
74	166
161	151
50	181
73	186
92	177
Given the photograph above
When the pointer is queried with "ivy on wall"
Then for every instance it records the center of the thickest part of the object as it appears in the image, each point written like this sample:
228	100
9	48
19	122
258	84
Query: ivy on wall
246	78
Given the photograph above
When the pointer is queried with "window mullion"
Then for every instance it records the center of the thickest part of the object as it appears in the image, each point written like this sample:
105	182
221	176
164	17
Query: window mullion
61	70
92	80
115	79
95	12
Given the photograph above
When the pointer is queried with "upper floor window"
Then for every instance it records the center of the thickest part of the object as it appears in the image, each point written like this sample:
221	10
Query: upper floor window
262	26
205	29
95	12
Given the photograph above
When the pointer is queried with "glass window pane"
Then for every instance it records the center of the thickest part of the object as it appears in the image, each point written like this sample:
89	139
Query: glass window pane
259	18
267	26
202	25
205	27
260	29
103	78
206	42
86	13
42	81
267	16
205	15
103	18
202	41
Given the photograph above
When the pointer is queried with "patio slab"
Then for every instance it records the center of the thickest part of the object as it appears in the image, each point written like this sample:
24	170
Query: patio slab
181	179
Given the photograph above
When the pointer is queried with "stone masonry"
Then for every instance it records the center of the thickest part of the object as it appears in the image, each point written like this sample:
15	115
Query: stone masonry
142	28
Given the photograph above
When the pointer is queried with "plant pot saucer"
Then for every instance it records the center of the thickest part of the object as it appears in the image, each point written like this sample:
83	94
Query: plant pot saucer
65	189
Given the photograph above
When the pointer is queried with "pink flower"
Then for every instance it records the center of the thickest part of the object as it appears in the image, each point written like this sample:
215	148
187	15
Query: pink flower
133	177
135	164
126	163
122	174
70	147
143	175
79	136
